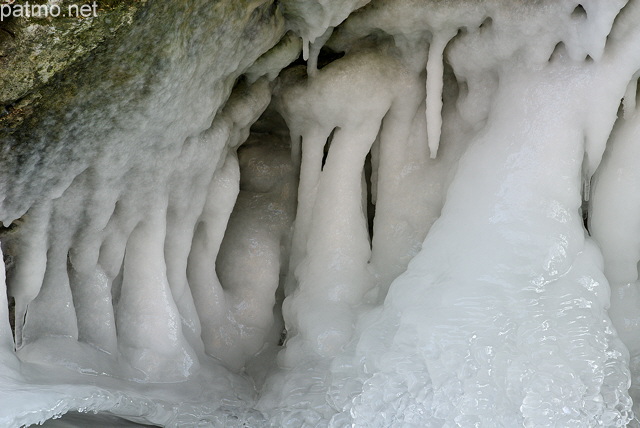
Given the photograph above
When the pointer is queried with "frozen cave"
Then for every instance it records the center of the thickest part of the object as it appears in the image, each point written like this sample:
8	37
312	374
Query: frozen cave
323	213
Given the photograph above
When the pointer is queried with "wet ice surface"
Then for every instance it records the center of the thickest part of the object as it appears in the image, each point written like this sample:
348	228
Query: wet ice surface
33	393
76	420
394	238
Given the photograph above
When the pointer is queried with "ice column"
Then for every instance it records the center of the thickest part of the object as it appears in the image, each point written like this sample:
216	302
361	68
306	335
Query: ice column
615	224
501	317
331	247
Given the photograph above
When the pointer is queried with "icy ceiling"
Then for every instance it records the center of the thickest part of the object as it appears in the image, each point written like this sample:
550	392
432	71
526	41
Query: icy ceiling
312	213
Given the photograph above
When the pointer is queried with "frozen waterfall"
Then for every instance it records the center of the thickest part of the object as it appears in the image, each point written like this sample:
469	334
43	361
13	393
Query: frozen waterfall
316	213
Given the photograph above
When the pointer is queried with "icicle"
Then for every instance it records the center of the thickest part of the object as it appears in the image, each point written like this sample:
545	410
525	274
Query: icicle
310	155
629	100
31	262
312	63
6	342
94	309
305	48
435	70
586	177
209	297
296	149
614	210
586	187
148	323
52	312
375	166
92	298
331	283
177	247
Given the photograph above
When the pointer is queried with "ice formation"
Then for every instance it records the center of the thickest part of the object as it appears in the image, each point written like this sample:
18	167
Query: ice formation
430	220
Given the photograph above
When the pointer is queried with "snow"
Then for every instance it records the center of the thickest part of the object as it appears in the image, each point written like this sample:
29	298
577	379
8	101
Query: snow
293	252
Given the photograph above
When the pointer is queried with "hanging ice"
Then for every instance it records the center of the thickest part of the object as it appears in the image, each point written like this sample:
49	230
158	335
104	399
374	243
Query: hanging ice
434	90
220	234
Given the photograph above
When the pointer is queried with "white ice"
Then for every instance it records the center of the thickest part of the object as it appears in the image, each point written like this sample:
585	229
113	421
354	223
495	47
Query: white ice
285	248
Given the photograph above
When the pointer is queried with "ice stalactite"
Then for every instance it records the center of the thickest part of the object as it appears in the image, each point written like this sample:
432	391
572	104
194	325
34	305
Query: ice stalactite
6	336
613	223
206	288
249	263
146	305
435	71
312	18
136	264
330	209
305	49
312	55
30	264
